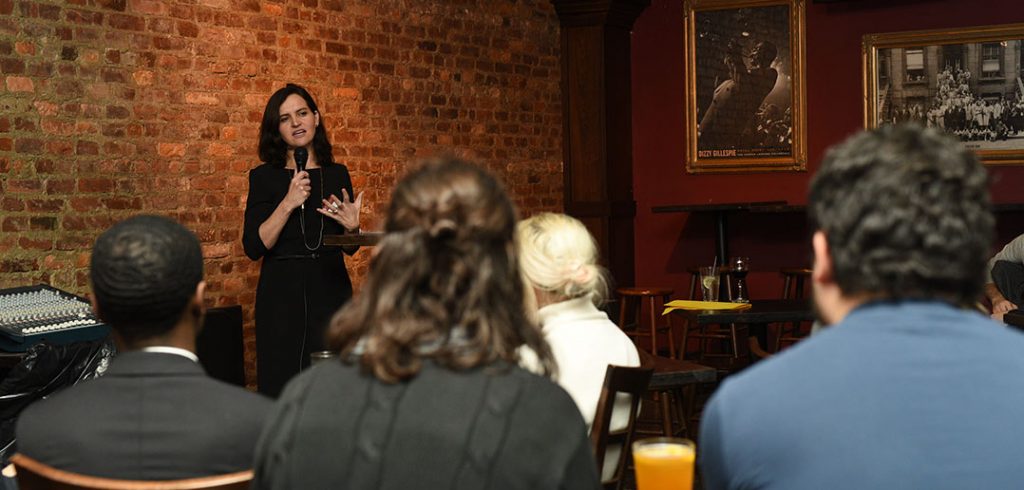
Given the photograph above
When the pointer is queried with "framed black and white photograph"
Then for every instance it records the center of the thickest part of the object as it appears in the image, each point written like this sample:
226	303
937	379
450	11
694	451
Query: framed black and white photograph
966	82
745	85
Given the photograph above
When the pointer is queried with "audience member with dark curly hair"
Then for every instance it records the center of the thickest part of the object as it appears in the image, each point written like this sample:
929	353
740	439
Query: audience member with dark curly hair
907	388
155	415
428	393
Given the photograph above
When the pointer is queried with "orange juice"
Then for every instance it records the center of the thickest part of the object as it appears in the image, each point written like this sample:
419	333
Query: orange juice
664	463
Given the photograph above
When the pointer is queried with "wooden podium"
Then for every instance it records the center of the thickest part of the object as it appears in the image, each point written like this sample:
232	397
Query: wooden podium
364	239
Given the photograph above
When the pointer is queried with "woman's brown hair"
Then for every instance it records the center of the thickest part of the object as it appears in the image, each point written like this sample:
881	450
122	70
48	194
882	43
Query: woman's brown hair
445	283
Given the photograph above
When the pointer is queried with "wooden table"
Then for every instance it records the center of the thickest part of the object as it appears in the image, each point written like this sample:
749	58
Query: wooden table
757	317
670	372
675	378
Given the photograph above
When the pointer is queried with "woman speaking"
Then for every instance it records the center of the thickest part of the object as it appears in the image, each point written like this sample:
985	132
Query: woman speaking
293	202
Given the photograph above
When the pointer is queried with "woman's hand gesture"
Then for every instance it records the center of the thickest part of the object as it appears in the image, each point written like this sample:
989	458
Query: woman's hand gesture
344	211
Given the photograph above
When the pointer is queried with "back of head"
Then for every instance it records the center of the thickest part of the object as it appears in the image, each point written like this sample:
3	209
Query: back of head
144	271
906	213
445	281
558	255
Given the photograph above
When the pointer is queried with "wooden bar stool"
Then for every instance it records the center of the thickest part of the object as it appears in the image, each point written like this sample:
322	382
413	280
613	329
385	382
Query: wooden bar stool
633	300
791	275
793	281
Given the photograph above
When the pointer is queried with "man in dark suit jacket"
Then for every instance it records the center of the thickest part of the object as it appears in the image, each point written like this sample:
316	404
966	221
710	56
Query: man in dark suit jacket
155	415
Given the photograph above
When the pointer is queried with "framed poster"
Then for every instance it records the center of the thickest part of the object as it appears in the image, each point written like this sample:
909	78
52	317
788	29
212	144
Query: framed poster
966	82
745	85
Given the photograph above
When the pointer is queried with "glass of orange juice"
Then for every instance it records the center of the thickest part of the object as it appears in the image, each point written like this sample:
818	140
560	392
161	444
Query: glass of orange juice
664	463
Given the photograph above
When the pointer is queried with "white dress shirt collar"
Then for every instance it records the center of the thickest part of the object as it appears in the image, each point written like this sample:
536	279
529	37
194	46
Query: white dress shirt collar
163	349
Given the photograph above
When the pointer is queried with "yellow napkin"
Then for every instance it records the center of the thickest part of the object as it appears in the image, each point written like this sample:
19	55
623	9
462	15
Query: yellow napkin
682	304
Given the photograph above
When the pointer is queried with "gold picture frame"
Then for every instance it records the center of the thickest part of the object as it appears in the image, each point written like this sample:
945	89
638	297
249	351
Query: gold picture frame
967	81
745	107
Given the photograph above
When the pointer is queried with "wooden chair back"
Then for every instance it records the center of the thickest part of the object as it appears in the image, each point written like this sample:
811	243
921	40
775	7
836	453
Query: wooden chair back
617	379
794	279
33	475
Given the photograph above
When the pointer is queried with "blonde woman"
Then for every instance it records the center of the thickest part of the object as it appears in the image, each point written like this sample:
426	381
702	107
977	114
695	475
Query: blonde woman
558	258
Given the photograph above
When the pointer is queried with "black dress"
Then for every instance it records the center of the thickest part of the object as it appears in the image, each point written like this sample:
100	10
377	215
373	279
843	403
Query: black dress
299	289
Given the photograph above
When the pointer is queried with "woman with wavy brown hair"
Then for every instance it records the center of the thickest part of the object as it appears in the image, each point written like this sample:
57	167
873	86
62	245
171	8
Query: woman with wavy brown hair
428	393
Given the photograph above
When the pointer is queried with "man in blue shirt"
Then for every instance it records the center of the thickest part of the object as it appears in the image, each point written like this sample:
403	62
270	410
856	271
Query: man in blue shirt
907	388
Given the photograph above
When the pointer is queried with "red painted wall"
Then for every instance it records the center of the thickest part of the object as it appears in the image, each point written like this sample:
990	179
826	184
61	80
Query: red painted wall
667	244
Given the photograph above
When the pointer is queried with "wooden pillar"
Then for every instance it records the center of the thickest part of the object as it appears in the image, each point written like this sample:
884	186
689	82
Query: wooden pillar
597	124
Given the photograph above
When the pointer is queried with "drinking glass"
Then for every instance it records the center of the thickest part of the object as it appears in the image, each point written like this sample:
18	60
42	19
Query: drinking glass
664	463
740	267
709	283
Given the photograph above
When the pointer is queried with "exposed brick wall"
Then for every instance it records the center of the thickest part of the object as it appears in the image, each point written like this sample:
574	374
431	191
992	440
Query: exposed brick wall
110	108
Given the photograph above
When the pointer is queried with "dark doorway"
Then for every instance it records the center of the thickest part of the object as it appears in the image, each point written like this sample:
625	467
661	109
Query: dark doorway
953	57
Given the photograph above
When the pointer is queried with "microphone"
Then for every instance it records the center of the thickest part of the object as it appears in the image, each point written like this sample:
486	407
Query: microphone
301	155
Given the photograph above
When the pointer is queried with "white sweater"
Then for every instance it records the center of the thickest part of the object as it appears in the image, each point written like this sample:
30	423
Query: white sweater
584	342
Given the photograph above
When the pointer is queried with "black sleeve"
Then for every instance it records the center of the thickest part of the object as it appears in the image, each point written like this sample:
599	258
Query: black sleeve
259	205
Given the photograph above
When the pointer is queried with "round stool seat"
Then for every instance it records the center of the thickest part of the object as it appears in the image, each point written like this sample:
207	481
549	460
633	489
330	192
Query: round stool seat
795	271
631	319
636	291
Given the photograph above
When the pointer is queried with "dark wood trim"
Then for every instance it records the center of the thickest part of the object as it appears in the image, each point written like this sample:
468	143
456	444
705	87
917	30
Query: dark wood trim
597	124
620	209
618	13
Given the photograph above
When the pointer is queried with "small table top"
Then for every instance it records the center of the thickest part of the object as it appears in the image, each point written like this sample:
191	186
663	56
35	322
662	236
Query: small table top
671	373
758	316
760	311
366	238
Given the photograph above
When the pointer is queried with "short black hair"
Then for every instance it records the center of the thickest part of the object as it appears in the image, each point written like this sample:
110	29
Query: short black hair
144	270
907	214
